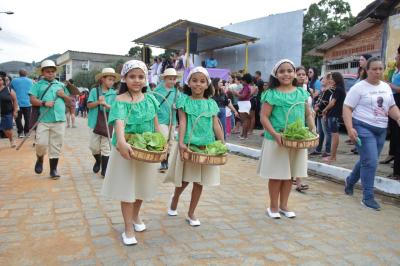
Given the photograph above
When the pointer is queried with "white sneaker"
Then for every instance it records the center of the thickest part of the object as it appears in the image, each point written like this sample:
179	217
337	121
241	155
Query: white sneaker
288	214
193	222
171	212
139	227
128	241
274	215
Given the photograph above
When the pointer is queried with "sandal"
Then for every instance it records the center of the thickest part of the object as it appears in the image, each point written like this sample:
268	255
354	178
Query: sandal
302	187
387	160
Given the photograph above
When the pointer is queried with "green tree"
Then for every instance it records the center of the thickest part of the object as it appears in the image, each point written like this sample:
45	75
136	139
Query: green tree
324	20
167	53
85	79
135	51
117	65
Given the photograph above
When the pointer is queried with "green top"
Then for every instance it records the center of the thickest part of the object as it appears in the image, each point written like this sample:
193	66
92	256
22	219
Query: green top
93	112
138	117
281	102
165	108
203	133
57	112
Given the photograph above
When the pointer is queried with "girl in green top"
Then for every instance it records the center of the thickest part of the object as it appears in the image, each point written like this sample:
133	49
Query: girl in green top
277	163
131	181
196	103
100	100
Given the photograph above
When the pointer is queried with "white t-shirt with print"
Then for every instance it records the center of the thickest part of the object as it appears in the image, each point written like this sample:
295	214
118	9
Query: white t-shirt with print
370	103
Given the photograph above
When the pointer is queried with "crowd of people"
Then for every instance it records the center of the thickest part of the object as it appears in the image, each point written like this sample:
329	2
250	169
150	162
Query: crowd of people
203	110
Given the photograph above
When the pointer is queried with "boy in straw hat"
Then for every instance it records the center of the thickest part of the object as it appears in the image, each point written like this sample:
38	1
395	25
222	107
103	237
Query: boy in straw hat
167	89
100	100
51	96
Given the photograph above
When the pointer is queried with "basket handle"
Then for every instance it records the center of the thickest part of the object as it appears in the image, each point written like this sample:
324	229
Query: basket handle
288	112
195	124
170	114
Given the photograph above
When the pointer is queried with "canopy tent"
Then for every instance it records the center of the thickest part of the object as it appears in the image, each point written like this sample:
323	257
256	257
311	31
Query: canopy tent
176	36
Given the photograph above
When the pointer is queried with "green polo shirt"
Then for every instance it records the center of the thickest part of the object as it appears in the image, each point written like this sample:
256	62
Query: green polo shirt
93	112
165	108
57	112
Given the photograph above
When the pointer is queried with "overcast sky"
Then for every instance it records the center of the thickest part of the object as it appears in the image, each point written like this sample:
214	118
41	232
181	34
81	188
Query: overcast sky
44	27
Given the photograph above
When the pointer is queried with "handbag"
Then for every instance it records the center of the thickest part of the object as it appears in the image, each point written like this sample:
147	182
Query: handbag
35	110
101	127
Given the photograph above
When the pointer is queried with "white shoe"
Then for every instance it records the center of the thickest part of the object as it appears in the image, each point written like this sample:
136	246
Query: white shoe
139	227
274	215
288	214
128	241
193	222
171	212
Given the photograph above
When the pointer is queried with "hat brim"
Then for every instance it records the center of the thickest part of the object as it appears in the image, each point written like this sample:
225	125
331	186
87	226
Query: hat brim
115	75
39	70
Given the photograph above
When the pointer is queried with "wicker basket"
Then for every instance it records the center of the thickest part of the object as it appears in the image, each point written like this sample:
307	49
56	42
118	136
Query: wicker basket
298	144
152	156
148	156
201	158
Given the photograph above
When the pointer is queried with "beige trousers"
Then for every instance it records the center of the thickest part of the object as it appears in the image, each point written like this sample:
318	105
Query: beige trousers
99	144
50	136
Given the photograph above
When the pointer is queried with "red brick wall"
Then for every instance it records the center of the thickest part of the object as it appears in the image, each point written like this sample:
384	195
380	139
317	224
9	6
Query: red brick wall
368	41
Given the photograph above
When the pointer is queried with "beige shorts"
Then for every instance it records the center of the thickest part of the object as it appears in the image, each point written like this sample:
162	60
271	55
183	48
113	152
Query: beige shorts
164	131
50	136
99	144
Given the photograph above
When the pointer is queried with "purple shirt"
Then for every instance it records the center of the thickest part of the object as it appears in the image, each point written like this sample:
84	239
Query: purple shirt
245	93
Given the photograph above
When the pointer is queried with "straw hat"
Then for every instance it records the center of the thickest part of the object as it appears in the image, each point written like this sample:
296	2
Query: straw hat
108	71
47	63
169	72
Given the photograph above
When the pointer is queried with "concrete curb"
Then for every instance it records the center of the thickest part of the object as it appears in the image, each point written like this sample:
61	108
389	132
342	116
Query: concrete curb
383	184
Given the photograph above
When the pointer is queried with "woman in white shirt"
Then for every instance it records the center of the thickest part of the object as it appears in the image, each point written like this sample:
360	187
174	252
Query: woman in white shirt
365	113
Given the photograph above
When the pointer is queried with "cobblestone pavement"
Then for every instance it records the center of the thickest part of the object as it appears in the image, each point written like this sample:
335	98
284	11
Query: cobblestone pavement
67	222
345	158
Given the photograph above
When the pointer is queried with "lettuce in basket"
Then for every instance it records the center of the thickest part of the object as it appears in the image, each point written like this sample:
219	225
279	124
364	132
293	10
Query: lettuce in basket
215	148
148	141
297	131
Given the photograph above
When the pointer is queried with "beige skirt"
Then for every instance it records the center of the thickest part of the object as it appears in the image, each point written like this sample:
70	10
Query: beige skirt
128	180
179	171
282	163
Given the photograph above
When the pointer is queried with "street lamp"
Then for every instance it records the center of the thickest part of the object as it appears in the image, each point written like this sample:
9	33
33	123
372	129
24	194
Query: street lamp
7	12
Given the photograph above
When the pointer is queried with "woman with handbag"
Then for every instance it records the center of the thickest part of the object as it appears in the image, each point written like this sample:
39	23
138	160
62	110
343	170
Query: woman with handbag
9	110
99	104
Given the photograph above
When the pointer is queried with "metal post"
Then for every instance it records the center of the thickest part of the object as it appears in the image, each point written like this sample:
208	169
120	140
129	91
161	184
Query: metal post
187	47
246	67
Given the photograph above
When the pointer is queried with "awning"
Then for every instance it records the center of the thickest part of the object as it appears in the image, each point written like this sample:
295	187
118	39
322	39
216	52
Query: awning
174	36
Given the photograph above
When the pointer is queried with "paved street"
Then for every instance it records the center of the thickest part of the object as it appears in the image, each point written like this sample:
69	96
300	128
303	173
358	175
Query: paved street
68	222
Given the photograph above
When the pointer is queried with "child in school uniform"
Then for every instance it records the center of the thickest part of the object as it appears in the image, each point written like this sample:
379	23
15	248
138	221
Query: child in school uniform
195	102
127	180
277	163
167	105
101	98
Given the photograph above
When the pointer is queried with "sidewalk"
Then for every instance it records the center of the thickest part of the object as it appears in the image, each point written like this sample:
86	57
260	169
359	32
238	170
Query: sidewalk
68	222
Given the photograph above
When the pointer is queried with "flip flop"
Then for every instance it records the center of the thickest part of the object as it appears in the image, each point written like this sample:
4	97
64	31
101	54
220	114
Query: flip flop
302	188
